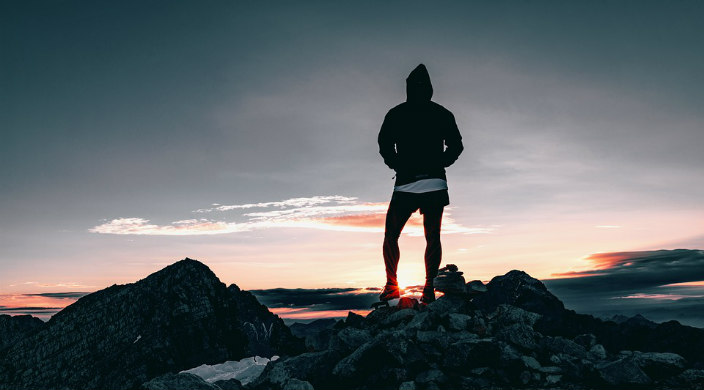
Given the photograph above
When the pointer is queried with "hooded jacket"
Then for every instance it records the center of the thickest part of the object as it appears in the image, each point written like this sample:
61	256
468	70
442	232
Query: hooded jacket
419	138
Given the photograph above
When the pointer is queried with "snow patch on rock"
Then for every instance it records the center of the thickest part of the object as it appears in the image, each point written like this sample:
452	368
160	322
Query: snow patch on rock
245	370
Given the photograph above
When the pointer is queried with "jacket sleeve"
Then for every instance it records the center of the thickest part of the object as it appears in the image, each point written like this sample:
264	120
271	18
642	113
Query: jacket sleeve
453	142
387	142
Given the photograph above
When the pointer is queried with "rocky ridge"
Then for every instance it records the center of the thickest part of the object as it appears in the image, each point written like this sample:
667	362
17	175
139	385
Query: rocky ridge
122	336
516	335
15	328
511	333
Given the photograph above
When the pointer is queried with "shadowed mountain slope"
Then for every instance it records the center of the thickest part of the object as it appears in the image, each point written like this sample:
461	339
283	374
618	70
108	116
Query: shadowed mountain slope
119	337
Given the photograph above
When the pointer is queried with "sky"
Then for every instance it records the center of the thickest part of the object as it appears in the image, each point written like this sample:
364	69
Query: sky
243	134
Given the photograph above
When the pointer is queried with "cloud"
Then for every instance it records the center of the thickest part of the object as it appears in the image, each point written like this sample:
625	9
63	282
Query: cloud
317	299
661	285
335	213
623	271
44	313
307	304
61	295
293	202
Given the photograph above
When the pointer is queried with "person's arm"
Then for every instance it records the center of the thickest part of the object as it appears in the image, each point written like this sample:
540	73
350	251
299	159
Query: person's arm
453	143
387	142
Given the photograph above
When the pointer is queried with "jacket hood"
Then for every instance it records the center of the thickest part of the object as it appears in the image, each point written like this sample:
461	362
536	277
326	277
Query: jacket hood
418	86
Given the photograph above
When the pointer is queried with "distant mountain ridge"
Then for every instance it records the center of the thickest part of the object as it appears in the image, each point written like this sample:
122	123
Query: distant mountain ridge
119	337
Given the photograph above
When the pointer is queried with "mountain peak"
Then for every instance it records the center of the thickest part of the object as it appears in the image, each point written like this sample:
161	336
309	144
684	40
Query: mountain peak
174	319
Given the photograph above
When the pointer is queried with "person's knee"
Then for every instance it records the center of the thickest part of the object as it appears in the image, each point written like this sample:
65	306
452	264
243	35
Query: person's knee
391	236
432	236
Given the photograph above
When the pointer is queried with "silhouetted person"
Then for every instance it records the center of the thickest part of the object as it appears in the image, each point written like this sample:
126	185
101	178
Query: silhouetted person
418	139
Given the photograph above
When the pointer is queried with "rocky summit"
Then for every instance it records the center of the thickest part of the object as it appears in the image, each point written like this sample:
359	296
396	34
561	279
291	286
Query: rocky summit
125	335
510	334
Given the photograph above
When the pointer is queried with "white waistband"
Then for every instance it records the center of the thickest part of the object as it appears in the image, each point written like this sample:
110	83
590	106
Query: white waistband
420	186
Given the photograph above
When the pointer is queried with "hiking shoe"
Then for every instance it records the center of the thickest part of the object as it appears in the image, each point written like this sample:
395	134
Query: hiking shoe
428	295
390	292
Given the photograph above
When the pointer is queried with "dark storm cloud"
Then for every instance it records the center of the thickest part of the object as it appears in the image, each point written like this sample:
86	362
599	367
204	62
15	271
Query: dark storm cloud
77	294
317	299
623	272
629	283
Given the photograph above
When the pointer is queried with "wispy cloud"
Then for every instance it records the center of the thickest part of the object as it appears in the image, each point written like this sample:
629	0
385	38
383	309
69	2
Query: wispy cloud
293	202
336	213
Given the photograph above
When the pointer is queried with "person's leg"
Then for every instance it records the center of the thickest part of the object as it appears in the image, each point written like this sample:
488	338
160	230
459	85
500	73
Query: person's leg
432	218
396	218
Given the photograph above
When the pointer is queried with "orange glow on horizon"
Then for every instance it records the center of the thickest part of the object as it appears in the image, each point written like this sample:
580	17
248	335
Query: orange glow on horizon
306	314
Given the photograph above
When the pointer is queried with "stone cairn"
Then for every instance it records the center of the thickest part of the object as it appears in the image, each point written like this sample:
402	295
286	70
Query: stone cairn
450	280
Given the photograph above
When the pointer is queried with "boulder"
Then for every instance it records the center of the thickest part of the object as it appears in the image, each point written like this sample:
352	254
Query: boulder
519	335
458	321
465	355
563	346
297	384
355	320
398	317
587	340
349	339
623	372
659	365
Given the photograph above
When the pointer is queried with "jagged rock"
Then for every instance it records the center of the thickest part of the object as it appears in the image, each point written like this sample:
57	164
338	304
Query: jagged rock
550	369
451	304
659	365
473	383
563	346
508	353
229	384
432	375
519	335
422	321
597	352
458	321
623	372
355	320
296	384
391	349
313	367
691	378
506	315
318	341
349	339
398	317
408	385
530	362
476	287
120	337
587	340
14	328
181	381
552	379
450	280
464	355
